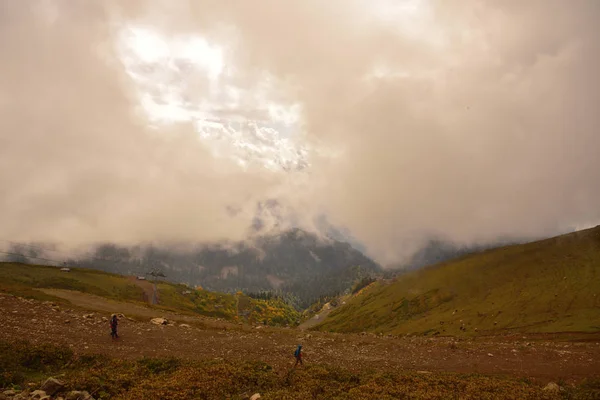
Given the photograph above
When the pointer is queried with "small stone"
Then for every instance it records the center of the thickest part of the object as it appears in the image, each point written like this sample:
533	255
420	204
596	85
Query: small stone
51	386
255	396
74	395
77	395
37	394
490	355
551	387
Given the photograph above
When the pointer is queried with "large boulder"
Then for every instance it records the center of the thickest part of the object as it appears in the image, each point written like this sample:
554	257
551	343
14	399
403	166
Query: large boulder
159	321
51	386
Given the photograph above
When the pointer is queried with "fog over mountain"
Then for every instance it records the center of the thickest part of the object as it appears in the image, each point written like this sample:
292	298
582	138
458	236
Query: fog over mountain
396	122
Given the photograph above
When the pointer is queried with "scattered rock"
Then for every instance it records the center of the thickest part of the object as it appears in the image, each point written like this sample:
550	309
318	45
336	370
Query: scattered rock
77	395
255	396
551	387
37	394
184	326
51	386
22	396
159	321
9	392
490	355
88	316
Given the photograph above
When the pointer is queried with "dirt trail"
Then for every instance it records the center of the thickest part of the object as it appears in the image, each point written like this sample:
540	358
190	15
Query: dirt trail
518	356
146	286
138	311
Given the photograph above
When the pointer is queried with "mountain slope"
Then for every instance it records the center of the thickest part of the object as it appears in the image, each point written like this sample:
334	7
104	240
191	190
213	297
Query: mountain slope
31	280
546	286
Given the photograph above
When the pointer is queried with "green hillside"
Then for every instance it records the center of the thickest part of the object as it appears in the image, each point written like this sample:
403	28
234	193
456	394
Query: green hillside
547	286
25	280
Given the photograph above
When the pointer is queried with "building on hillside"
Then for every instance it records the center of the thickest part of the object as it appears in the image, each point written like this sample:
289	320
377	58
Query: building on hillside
141	278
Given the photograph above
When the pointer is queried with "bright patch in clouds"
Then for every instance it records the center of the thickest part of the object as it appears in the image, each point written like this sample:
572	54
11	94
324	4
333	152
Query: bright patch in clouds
167	71
150	47
398	9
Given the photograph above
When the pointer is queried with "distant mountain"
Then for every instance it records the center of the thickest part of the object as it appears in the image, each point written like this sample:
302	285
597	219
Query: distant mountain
295	262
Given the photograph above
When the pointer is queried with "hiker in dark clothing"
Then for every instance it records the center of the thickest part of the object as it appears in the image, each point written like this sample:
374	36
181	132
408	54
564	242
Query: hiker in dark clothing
298	355
113	326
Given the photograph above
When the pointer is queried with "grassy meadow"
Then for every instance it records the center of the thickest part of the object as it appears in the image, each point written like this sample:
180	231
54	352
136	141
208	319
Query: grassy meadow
546	286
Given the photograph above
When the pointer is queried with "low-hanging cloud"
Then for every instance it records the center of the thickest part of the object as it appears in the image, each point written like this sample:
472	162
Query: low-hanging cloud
469	122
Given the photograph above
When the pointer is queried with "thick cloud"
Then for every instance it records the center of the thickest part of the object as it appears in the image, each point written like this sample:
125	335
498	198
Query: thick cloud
470	122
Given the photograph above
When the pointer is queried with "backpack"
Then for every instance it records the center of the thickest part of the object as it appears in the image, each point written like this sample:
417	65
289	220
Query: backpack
297	352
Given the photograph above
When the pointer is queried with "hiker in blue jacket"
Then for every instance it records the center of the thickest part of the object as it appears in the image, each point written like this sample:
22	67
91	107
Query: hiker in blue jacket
298	355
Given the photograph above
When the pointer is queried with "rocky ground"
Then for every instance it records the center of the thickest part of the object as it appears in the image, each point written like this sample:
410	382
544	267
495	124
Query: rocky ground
569	358
50	387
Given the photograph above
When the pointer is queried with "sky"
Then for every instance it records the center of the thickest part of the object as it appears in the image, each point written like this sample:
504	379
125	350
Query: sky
169	121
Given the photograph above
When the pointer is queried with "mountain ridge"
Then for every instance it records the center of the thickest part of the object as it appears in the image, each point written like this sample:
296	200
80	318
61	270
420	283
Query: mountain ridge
303	265
550	285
